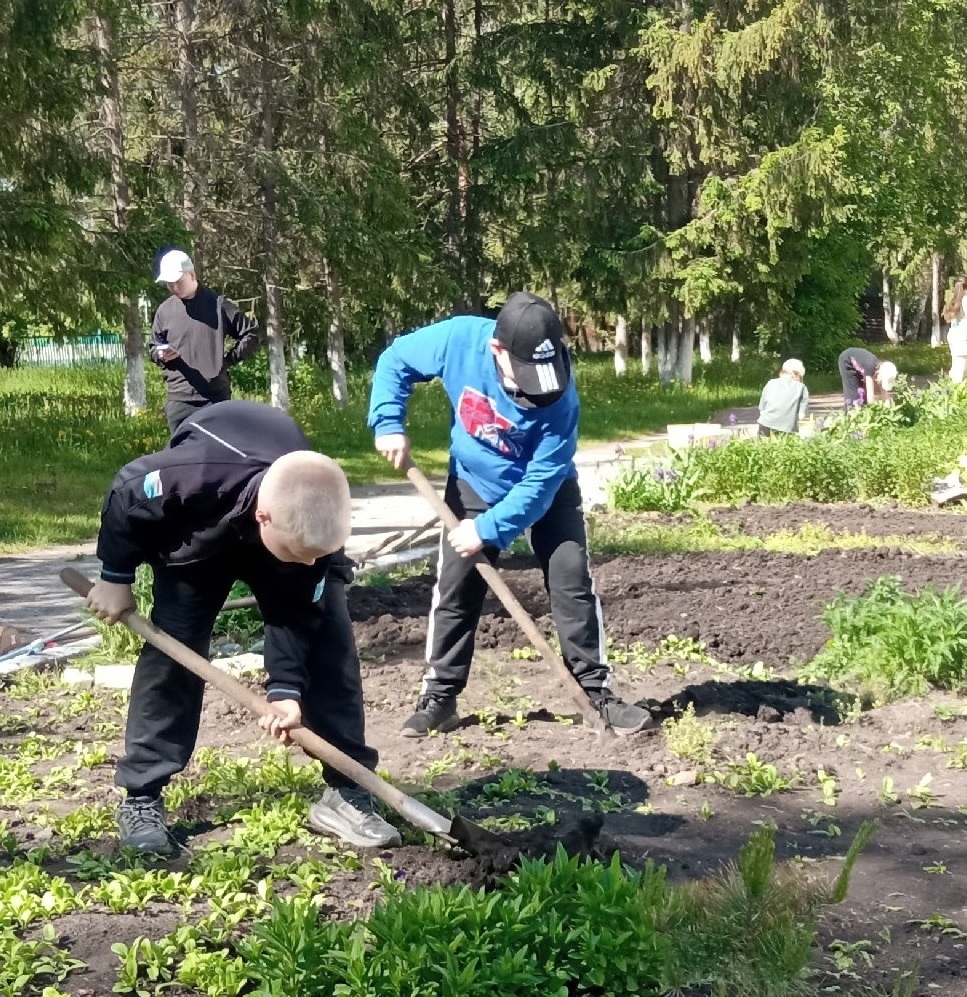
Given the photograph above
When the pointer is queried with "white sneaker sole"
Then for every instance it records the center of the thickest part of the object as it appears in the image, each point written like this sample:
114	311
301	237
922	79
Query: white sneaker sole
325	821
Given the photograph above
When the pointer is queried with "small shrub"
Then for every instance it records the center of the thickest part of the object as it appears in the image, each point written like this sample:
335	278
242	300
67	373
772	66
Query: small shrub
687	737
669	485
557	928
891	644
895	463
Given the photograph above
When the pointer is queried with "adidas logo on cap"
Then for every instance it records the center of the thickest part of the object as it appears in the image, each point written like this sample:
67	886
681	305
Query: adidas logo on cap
545	351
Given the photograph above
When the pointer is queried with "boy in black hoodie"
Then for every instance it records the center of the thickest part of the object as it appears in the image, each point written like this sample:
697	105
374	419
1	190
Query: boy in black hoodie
237	494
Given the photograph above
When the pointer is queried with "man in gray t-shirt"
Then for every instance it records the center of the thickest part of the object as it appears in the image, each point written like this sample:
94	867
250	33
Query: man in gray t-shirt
188	339
784	400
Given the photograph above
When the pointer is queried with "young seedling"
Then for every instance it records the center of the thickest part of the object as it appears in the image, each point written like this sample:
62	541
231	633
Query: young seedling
688	738
829	787
942	924
886	794
755	778
922	795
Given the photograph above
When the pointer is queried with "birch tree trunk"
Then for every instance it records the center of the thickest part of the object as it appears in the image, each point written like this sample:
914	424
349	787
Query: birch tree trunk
686	351
705	343
192	196
736	354
912	333
275	340
454	143
892	314
672	342
661	351
936	303
336	344
135	391
646	347
621	345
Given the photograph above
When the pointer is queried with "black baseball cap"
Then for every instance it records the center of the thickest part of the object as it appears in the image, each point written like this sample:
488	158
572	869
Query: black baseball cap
529	329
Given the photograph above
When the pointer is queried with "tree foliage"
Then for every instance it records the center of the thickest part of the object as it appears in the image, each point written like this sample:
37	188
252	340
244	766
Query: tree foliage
353	169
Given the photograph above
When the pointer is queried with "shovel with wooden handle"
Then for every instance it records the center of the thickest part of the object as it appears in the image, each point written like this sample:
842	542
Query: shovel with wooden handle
470	836
511	603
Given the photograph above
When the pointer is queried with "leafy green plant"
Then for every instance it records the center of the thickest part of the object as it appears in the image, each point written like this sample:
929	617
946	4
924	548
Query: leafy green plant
958	759
511	784
828	784
755	778
24	962
687	737
668	485
887	794
889	644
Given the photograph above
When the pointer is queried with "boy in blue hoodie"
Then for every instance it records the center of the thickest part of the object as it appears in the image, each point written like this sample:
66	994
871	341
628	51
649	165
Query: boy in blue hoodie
512	443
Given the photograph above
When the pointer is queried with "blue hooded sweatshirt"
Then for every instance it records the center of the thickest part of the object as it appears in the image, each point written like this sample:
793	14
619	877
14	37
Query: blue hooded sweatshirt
514	457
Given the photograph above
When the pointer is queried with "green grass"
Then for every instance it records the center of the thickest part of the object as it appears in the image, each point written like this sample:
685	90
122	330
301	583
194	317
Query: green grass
63	434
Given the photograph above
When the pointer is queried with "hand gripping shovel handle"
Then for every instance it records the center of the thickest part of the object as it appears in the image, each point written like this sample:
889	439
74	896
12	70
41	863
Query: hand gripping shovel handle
510	602
415	812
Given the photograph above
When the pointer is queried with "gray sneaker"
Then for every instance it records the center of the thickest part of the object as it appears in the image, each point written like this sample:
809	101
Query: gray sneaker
623	718
141	820
350	814
432	713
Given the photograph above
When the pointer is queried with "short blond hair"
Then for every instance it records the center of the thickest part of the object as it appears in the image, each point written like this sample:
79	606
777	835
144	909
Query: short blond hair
307	496
794	367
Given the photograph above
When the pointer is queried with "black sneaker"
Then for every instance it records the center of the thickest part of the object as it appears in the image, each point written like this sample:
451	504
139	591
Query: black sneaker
432	713
623	718
351	814
141	821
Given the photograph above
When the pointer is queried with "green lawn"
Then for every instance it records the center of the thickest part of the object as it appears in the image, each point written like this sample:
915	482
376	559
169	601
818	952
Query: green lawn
63	434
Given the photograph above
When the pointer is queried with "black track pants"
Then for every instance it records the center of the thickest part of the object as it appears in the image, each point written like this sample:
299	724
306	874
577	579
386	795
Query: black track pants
559	541
166	699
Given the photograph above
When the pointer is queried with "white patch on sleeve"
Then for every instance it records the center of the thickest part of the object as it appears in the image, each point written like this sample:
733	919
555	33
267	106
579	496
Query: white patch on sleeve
152	485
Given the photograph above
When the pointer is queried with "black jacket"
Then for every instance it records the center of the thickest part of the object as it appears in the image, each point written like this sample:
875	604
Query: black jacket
195	500
197	328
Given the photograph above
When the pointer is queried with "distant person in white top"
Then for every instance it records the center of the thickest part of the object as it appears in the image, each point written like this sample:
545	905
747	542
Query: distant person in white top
956	314
784	400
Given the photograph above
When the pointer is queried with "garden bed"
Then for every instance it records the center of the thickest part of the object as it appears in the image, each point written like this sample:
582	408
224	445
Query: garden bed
678	796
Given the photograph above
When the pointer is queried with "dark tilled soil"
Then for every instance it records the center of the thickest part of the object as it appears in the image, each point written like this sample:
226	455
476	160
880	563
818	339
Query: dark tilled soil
859	517
747	608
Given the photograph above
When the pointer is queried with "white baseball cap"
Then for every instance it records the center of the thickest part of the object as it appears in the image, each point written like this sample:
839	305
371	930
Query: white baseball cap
172	266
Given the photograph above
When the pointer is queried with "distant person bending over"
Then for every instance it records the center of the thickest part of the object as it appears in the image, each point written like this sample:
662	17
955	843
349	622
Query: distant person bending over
237	495
188	339
956	314
512	442
863	375
784	400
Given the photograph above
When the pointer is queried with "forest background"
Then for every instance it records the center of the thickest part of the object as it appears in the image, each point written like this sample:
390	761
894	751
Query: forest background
675	176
